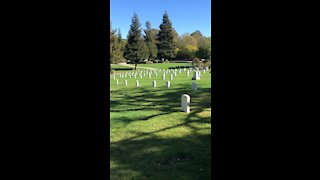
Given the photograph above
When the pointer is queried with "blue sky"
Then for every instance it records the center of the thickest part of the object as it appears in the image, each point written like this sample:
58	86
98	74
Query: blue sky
186	16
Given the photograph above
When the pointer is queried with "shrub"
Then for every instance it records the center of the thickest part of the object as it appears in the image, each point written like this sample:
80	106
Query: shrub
196	62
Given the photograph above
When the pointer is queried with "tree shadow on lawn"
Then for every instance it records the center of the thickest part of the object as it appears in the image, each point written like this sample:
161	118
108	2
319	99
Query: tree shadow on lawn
149	156
164	101
187	157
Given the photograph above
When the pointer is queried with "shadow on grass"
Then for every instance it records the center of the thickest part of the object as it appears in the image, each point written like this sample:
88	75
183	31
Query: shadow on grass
187	157
165	101
149	156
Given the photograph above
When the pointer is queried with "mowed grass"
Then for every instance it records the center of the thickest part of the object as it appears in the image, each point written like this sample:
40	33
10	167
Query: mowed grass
150	138
164	65
118	66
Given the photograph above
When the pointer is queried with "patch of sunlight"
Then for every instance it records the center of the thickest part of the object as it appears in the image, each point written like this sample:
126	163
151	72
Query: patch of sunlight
177	132
205	114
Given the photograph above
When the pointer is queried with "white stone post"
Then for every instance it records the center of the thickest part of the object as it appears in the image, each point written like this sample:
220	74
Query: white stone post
168	84
195	75
137	83
154	83
185	103
125	82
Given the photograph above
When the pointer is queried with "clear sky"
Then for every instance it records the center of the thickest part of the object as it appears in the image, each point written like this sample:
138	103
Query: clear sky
186	16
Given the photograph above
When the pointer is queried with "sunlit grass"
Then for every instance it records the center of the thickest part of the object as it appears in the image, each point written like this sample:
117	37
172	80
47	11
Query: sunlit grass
151	138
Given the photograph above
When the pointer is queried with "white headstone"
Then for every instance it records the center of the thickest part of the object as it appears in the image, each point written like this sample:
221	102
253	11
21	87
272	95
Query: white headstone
125	82
171	76
188	73
154	83
168	84
117	82
175	74
185	103
149	76
194	86
163	77
196	75
137	83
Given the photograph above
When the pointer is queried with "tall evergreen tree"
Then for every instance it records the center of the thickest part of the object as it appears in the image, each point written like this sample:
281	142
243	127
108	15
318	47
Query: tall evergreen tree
150	42
135	49
166	44
121	46
115	47
112	39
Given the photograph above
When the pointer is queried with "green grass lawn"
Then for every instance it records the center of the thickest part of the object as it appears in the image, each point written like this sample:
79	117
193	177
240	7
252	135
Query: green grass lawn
164	65
118	66
150	138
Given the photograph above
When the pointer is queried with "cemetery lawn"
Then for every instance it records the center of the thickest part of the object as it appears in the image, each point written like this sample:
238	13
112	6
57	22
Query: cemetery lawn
150	138
118	66
164	65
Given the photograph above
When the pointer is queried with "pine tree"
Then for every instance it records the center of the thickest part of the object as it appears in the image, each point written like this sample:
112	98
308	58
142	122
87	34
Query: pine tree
135	49
121	46
112	39
150	42
166	44
115	47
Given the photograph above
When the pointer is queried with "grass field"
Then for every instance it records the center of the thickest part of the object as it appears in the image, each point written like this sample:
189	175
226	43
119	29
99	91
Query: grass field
150	138
164	65
155	65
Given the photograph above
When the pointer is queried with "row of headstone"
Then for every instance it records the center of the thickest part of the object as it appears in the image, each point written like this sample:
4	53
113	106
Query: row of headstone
196	74
154	84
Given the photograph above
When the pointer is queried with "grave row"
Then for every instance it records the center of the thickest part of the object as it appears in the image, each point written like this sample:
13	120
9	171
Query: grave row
143	73
154	84
196	75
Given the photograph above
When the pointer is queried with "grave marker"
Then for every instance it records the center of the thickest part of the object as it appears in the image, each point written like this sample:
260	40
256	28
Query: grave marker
168	84
196	75
185	103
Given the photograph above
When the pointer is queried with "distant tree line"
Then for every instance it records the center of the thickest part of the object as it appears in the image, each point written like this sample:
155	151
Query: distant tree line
157	44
